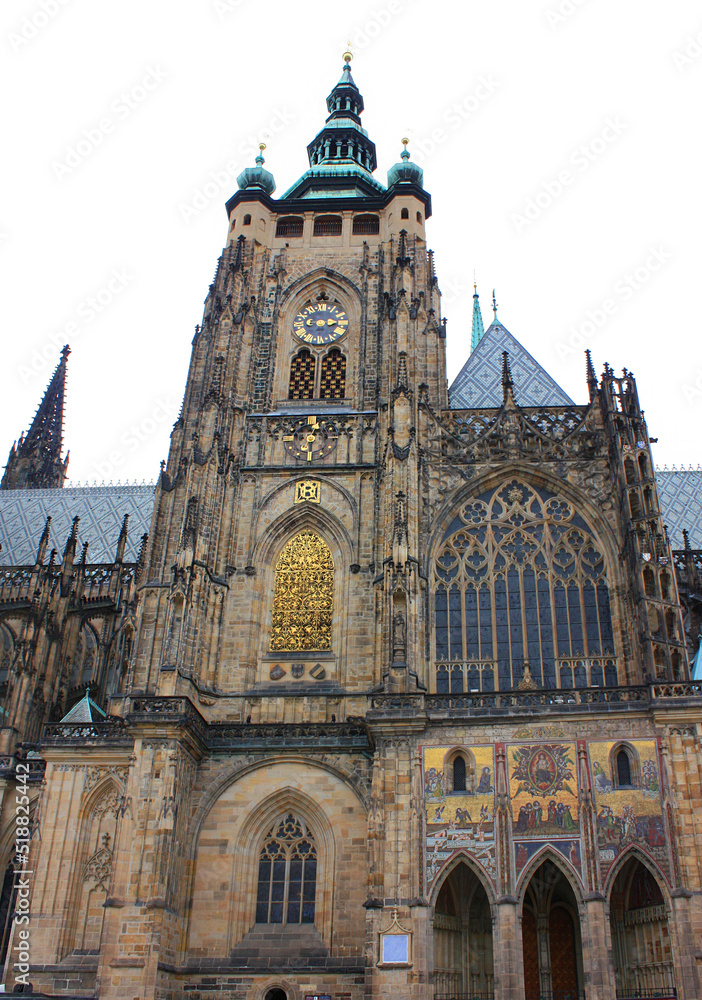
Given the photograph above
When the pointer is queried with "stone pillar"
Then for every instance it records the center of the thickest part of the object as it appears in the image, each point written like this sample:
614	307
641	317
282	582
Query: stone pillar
507	949
685	961
596	940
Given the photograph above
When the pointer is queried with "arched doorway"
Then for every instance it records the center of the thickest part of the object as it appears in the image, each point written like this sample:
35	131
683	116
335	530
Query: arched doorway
643	958
463	962
551	936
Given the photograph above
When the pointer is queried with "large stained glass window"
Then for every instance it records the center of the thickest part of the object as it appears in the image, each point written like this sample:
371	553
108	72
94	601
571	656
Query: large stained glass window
520	579
287	874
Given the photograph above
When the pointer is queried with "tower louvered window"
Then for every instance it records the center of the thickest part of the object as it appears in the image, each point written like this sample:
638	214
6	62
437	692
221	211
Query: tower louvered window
333	383
287	874
520	580
302	376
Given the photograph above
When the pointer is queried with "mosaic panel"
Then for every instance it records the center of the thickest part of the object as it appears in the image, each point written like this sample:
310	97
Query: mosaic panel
632	815
459	821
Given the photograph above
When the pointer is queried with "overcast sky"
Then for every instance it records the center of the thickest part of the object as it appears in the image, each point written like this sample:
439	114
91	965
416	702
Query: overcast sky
560	142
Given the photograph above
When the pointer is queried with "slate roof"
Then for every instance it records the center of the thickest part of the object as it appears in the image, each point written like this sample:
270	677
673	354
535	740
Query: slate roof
101	510
84	711
479	382
680	495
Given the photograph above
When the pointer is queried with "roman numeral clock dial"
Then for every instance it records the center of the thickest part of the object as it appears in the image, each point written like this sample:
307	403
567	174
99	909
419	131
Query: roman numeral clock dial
320	324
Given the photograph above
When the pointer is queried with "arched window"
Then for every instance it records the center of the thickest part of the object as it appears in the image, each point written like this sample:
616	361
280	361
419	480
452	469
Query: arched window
302	376
459	775
366	225
289	225
623	768
459	771
287	874
419	218
327	225
333	381
520	577
404	214
247	220
303	599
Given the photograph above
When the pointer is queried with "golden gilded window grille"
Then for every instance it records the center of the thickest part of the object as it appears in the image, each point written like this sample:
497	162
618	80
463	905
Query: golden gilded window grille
333	382
302	376
303	599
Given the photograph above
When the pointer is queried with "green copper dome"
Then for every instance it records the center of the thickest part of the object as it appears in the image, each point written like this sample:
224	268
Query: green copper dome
257	176
405	171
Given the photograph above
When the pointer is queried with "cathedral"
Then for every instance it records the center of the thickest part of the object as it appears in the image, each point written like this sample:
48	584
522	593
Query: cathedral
386	688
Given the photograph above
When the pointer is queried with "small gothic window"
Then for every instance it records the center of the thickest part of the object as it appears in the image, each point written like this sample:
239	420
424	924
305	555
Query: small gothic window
327	225
404	214
287	874
303	598
247	220
302	376
459	775
333	381
623	768
419	217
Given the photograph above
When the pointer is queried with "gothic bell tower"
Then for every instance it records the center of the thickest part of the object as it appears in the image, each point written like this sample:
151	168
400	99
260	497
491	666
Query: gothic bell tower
284	552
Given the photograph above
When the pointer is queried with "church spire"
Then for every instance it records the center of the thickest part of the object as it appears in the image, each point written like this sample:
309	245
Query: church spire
341	155
478	328
35	460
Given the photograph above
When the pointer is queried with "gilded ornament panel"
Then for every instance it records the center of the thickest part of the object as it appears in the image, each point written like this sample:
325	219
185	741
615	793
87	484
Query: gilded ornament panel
303	600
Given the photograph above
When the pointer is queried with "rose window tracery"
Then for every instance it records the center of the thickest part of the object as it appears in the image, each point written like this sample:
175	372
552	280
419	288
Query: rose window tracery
520	579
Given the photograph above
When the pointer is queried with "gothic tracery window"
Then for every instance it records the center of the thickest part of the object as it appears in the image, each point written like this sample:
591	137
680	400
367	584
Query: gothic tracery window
303	598
333	381
287	874
519	579
302	376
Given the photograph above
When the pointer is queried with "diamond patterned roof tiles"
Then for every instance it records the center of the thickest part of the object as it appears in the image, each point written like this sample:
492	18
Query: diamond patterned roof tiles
101	510
680	495
479	382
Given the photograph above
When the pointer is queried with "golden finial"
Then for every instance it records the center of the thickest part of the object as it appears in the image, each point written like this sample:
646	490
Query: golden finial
348	55
261	146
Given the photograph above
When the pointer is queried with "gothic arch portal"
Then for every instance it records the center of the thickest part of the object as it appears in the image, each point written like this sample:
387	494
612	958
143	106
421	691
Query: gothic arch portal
463	931
643	936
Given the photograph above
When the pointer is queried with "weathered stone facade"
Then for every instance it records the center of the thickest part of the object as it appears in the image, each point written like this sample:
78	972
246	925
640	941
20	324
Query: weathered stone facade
456	753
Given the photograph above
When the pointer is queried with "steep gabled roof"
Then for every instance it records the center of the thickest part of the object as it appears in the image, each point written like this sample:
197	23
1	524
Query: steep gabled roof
680	495
101	510
479	382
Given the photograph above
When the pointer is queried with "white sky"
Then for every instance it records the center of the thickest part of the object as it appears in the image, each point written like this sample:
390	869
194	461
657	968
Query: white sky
622	79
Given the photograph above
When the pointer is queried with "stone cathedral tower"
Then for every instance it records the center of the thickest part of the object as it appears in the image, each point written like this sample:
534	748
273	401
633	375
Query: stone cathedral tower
395	700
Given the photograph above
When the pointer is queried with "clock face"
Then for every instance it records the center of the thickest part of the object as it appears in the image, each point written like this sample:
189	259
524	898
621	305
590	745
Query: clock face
312	439
321	323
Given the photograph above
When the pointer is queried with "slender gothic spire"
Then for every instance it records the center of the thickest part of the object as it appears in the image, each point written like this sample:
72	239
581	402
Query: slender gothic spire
478	328
35	461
